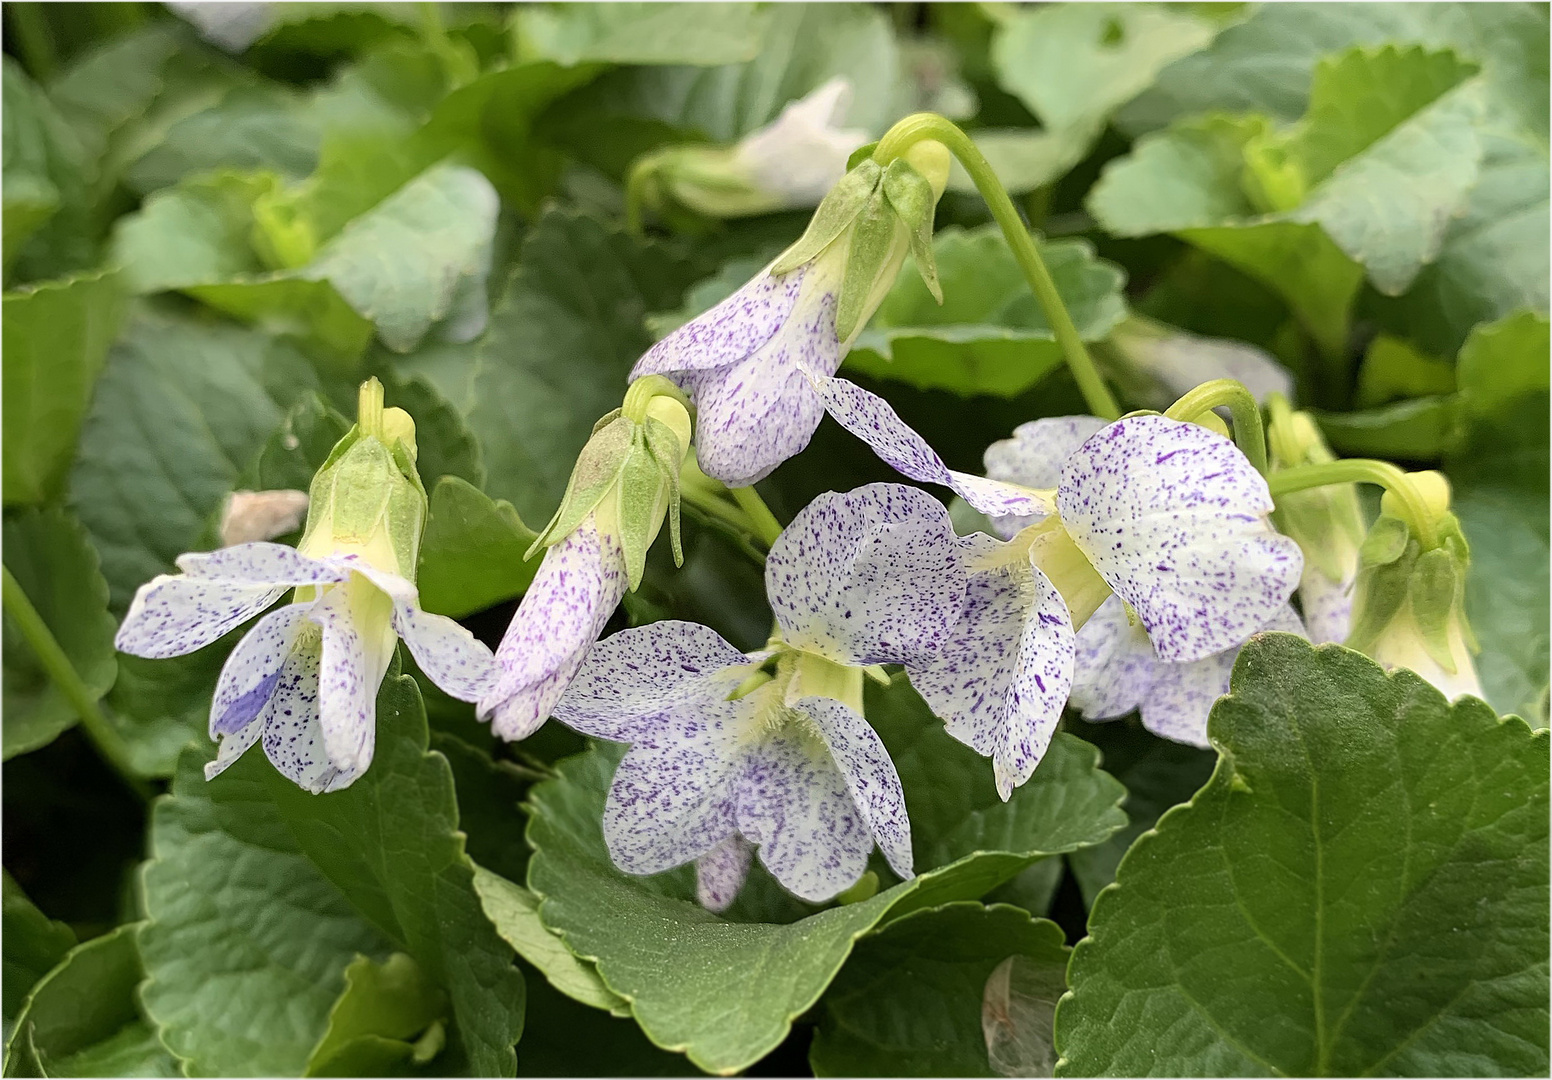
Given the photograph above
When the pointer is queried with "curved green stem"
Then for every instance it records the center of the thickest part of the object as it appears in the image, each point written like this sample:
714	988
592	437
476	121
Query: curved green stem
1362	471
63	674
641	392
766	527
922	126
1249	435
635	193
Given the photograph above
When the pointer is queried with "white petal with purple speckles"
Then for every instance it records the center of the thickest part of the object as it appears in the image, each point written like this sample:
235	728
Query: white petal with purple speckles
347	690
793	803
871	419
870	576
252	670
1182	695
1000	683
870	777
1033	458
451	657
1174	518
173	614
758	413
671	799
234	746
1328	606
577	588
261	563
1115	663
642	671
293	738
729	332
721	872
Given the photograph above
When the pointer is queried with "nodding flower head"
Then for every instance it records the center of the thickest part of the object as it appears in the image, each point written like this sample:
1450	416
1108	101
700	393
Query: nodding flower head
1409	607
304	679
625	482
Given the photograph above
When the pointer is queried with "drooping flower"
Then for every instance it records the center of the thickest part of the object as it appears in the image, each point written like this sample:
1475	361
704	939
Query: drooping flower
772	746
625	482
304	679
1409	608
760	366
1117	671
1169	516
789	164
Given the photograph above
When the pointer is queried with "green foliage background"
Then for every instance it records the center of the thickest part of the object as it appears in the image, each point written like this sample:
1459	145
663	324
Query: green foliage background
206	249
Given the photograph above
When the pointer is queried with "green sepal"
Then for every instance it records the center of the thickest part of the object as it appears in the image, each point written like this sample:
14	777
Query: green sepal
861	154
872	240
1434	586
1386	542
910	194
1381	590
669	452
838	210
642	493
363	484
598	467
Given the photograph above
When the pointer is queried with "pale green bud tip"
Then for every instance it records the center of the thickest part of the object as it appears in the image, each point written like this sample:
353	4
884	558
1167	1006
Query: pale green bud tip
932	159
1433	489
387	426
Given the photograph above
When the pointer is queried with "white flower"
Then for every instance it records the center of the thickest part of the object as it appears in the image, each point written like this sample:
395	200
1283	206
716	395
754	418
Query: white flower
1168	515
1118	671
772	746
305	677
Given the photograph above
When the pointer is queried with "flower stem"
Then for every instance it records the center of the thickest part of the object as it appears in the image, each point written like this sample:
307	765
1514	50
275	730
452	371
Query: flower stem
1249	435
1363	471
921	126
766	527
109	742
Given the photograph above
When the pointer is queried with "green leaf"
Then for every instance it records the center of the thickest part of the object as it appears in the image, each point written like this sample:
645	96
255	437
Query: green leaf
1361	887
182	407
42	163
82	1020
194	233
471	555
952	799
33	943
1417	430
515	913
989	336
562	340
1502	361
562	1037
48	553
390	842
56	340
382	1012
1157	774
252	127
634	33
1023	159
684	971
1499	470
910	1000
1266	63
1073	65
247	941
625	113
1403	127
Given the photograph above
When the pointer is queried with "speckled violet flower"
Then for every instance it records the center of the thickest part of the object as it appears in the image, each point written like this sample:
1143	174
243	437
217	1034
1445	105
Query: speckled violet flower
772	746
1174	518
625	481
304	679
1117	671
761	365
1170	516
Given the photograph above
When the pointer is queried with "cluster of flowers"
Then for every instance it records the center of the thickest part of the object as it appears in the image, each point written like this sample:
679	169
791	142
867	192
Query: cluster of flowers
1133	559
